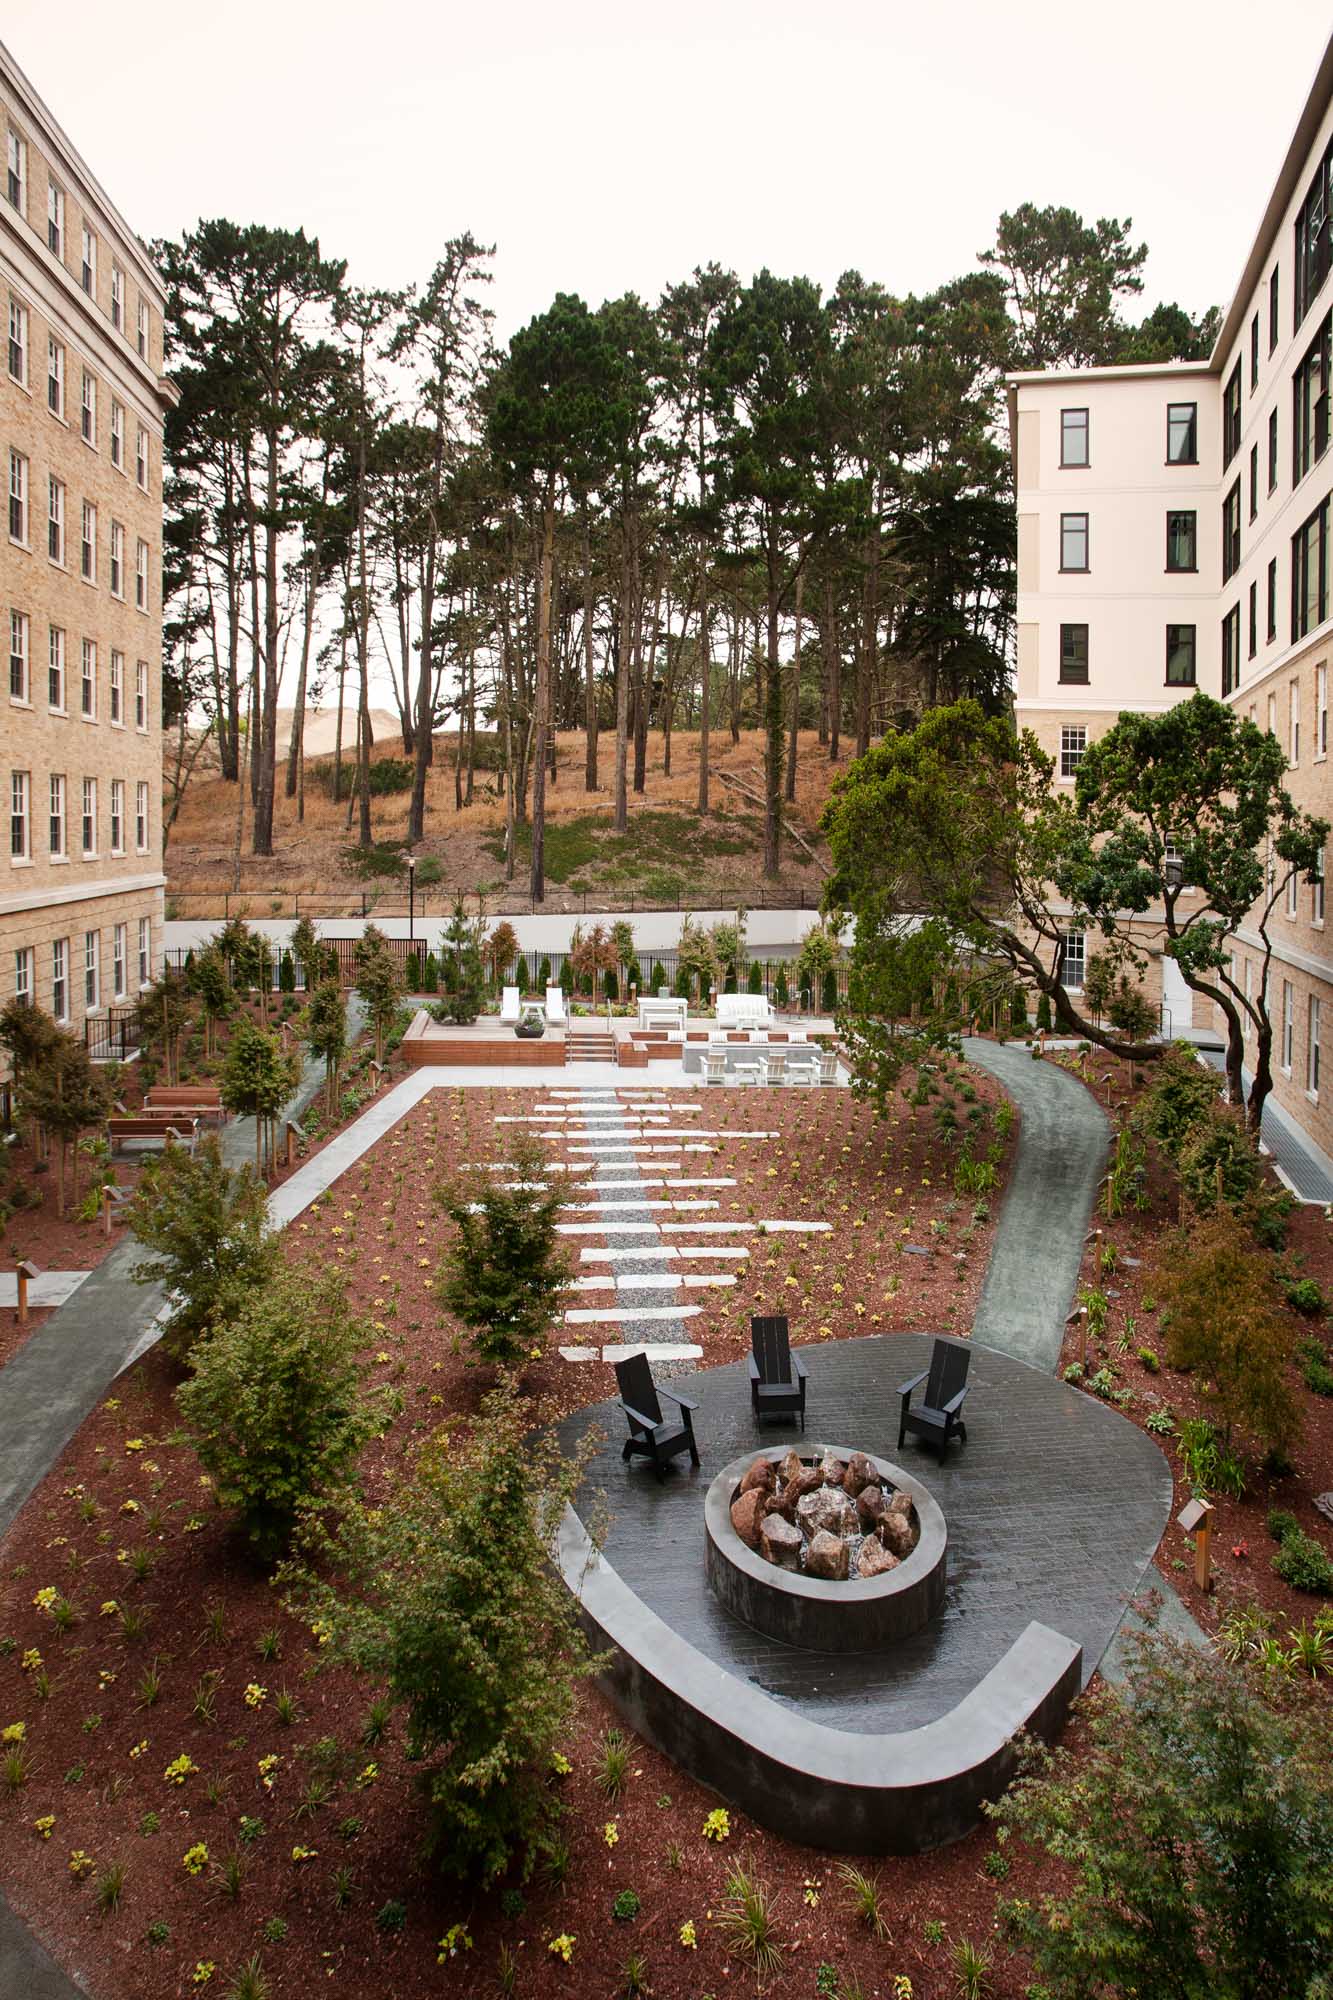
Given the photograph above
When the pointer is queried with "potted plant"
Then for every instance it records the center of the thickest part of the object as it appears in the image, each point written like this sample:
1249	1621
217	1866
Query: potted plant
531	1024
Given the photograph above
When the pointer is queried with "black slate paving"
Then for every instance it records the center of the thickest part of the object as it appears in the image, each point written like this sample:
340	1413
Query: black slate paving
1054	1508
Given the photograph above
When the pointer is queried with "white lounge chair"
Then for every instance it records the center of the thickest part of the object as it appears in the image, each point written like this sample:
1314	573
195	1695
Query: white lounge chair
556	1016
776	1067
828	1067
715	1068
509	1007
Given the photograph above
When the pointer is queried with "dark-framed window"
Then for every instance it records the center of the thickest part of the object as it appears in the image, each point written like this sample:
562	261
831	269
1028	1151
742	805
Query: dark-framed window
1309	573
1254	354
1312	241
1182	434
1254	618
1254	480
1182	539
1309	386
1074	541
1231	533
1231	650
1181	653
1074	437
1272	308
1272	448
1231	417
1272	601
1074	654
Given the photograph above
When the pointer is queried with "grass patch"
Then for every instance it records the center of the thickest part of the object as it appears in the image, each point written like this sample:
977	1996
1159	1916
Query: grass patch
584	847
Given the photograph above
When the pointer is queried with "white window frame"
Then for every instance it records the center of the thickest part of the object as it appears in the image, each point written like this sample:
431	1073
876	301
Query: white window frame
20	819
141	576
16	183
141	696
117	560
55	376
117	435
1294	725
117	816
1317	893
18	499
23	974
60	979
18	341
88	260
142	823
117	298
1288	1026
88	820
1320	712
141	459
145	951
88	543
144	328
88	680
1071	752
55	220
1313	1061
55	520
92	971
88	409
20	658
119	959
57	830
55	669
116	687
1075	956
1293	893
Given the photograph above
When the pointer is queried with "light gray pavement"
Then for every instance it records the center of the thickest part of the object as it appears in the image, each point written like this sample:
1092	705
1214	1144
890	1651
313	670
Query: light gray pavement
1305	1167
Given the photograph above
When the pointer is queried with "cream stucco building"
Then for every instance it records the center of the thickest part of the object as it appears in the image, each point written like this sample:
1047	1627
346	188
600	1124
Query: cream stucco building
82	399
1173	533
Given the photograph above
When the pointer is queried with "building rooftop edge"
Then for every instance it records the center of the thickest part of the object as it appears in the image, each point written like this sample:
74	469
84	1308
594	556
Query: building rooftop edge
1111	372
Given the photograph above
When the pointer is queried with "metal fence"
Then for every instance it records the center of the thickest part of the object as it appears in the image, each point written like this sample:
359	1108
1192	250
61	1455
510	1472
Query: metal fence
113	1036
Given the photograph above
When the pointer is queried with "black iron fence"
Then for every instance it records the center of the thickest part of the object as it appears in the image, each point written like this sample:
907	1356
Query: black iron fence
113	1036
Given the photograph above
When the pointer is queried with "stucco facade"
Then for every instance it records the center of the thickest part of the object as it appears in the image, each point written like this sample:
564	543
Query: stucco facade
1174	532
82	400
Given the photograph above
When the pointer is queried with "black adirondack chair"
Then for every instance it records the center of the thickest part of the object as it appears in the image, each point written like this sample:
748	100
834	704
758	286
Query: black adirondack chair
650	1434
938	1416
777	1376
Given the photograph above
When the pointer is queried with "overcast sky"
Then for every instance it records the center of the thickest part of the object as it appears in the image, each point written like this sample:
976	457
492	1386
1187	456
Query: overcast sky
606	147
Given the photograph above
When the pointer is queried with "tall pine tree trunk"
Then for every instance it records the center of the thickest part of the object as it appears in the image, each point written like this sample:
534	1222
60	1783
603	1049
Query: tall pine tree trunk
833	653
543	694
794	737
621	815
772	711
589	668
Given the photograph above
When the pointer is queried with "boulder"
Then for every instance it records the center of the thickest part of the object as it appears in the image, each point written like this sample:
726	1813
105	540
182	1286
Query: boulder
780	1541
901	1503
895	1532
828	1511
827	1556
808	1480
869	1505
791	1467
761	1475
860	1473
874	1559
746	1514
780	1503
832	1469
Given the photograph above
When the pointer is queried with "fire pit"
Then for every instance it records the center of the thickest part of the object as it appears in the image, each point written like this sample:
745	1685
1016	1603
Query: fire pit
837	1551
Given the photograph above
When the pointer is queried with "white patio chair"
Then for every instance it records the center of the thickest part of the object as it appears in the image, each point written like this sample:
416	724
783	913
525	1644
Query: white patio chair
715	1068
828	1067
555	1007
777	1067
509	1007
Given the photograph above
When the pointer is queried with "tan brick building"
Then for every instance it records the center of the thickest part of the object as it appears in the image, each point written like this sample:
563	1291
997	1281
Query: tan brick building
82	399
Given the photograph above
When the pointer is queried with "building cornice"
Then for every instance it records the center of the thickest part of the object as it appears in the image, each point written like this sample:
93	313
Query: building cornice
80	892
1288	954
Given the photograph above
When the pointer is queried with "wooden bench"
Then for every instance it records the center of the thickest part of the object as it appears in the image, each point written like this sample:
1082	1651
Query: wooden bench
168	1095
167	1126
182	1103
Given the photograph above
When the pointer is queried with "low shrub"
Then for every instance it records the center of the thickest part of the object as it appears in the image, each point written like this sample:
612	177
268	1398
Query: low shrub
1301	1562
1305	1297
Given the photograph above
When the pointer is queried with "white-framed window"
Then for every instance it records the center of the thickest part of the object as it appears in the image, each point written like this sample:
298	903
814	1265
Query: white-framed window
1321	710
141	695
143	329
1272	715
118	956
1288	1024
88	681
88	544
55	219
1294	724
1312	1051
88	409
1317	892
141	816
117	298
145	951
20	816
141	576
55	520
88	261
91	970
1293	892
88	827
18	498
1073	743
117	436
56	833
16	185
23	960
1075	960
117	559
117	690
18	341
141	458
20	679
60	978
117	815
55	377
55	669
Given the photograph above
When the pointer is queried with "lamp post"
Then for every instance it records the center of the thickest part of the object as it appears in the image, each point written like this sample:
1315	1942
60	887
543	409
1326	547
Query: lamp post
411	899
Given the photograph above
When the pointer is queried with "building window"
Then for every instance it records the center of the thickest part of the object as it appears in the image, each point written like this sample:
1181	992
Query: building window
88	410
141	695
145	950
60	978
19	835
1288	1023
1182	551
118	943
117	559
18	497
1074	654
23	974
1321	710
88	262
88	681
1272	309
89	817
1075	959
55	669
55	220
118	299
1312	242
1231	417
1074	437
55	378
1254	354
1272	715
18	341
117	815
1254	619
143	329
57	816
19	682
1293	894
1309	436
1231	533
1231	650
1073	744
88	544
141	458
141	816
1074	541
1180	655
91	942
1182	433
141	576
1272	601
117	690
117	437
1254	480
1272	449
55	520
1309	574
1294	724
17	185
1312	1048
1317	892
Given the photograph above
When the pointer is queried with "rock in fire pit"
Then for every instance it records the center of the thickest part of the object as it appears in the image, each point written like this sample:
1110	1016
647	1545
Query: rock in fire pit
843	1524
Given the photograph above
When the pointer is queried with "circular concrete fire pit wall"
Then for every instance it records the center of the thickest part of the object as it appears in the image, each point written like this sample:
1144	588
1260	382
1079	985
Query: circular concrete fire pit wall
853	1614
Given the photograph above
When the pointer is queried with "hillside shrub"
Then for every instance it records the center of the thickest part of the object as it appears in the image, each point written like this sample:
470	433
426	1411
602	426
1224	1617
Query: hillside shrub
207	1226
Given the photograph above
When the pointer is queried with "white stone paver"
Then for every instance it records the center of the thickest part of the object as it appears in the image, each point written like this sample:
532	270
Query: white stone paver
617	1315
655	1351
650	1281
587	1256
52	1288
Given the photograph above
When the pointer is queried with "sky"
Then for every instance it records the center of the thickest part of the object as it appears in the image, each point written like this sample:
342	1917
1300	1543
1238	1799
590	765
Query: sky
606	148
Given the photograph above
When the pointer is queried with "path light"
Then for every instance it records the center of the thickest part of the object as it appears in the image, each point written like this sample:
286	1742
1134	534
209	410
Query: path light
1197	1519
26	1272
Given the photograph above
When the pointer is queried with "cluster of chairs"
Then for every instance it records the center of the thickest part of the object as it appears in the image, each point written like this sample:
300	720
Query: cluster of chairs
778	1379
804	1063
511	1006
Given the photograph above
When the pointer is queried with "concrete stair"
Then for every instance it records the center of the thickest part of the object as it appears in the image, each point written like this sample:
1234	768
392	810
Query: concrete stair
587	1045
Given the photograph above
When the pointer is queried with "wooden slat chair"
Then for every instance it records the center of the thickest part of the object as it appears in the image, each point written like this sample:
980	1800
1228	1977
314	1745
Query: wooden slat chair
715	1067
650	1434
938	1416
777	1376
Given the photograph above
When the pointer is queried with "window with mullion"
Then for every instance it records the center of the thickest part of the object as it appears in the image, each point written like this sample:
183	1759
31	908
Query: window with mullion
1182	433
1182	540
1231	417
1074	655
1309	574
1181	652
1231	533
1310	385
1074	438
1073	541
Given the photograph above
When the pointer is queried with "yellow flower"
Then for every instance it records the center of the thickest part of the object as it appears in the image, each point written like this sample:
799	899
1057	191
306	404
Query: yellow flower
560	1764
203	1971
31	1660
13	1732
368	1776
717	1826
45	1597
195	1859
255	1696
562	1946
129	1506
137	1749
134	1444
455	1939
179	1769
80	1864
610	1833
109	1609
42	1827
304	1853
688	1936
